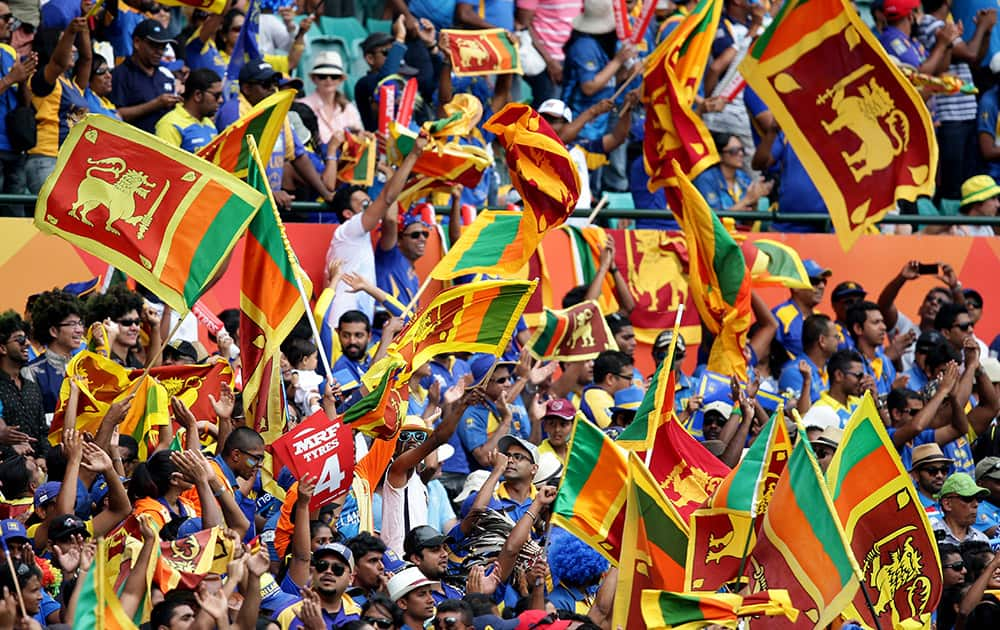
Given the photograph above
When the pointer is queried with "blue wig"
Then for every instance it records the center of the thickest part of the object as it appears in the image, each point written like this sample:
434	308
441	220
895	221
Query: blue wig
572	561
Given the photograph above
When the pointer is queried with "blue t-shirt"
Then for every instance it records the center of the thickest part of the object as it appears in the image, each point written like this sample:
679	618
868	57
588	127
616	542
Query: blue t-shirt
584	60
8	100
902	47
130	86
789	333
965	12
712	185
395	275
641	198
791	379
440	12
499	13
120	31
199	54
987	117
796	192
479	421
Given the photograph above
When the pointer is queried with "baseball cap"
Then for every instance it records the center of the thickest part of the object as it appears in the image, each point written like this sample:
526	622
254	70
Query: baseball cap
847	289
338	550
973	295
992	368
13	529
718	406
813	270
895	9
482	365
559	408
509	440
272	598
557	108
961	484
99	489
153	31
258	71
84	287
375	40
929	339
181	349
492	622
328	63
422	537
46	492
663	342
392	563
408	580
988	468
66	525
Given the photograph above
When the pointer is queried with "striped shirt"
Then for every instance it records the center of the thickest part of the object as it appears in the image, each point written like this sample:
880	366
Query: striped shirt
553	22
948	107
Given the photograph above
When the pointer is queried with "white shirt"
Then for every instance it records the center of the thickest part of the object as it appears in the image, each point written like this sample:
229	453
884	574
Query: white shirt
402	510
353	245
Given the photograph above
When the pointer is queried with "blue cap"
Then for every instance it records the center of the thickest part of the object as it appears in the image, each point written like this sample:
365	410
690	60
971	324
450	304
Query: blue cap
99	489
628	399
46	492
272	598
189	527
391	562
481	365
13	528
336	549
80	289
813	270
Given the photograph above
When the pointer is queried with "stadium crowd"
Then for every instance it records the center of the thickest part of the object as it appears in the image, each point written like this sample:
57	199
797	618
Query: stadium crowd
447	525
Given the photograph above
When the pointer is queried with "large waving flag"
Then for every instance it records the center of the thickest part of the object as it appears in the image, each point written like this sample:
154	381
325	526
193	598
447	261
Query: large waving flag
801	517
443	159
686	471
663	610
193	383
774	264
577	333
493	244
264	122
183	563
476	317
163	216
862	131
541	170
718	278
358	156
270	305
98	605
657	540
657	406
373	415
722	530
688	46
591	499
885	524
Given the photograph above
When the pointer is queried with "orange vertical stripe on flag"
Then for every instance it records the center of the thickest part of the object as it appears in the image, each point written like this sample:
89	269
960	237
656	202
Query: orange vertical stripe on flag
214	196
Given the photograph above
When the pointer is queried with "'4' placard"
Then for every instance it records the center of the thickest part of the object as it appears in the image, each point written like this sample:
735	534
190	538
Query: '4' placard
323	449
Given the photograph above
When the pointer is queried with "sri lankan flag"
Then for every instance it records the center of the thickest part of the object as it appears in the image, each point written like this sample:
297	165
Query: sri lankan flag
442	159
718	278
193	383
774	264
98	605
692	610
154	211
577	333
370	415
722	530
591	499
270	305
801	516
687	473
687	48
477	317
885	524
101	382
482	51
657	406
493	244
263	122
862	131
657	540
182	563
540	169
357	160
150	410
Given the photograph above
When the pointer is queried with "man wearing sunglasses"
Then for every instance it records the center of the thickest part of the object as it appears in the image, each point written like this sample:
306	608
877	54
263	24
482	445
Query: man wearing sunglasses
495	416
848	383
404	239
844	295
20	399
331	571
929	470
955	324
959	498
800	305
190	125
988	516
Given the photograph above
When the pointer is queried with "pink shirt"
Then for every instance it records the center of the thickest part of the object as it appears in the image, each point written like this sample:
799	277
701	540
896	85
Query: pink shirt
332	118
553	22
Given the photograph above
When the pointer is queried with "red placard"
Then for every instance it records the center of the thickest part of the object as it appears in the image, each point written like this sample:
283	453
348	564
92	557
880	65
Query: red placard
320	448
644	19
386	107
206	317
405	113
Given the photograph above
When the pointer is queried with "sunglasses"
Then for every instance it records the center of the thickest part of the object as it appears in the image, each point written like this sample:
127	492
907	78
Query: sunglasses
448	622
501	380
817	281
966	327
417	234
965	499
101	71
939	470
327	77
322	565
20	340
7	17
855	374
734	151
627	377
975	305
253	460
954	566
214	95
378	622
911	412
412	436
135	321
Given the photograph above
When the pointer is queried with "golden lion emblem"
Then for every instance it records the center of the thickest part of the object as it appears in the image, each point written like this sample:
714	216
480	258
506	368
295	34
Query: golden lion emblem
118	197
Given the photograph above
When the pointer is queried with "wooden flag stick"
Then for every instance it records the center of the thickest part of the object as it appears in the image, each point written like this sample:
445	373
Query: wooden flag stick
414	302
600	206
163	344
636	69
669	361
13	573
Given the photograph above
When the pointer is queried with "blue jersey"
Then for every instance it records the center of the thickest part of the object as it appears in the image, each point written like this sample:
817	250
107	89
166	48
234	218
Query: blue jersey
395	275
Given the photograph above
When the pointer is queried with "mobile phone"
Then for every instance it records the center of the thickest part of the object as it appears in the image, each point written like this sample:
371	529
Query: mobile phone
927	269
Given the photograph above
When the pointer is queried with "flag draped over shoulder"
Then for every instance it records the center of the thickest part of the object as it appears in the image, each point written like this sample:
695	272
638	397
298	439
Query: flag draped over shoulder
801	546
264	122
721	529
885	524
863	133
163	216
98	605
270	306
692	610
718	278
591	499
577	333
482	51
541	170
477	317
657	540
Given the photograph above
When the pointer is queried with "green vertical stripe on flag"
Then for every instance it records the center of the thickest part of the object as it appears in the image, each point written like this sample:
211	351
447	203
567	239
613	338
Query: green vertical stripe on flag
864	441
638	429
661	530
583	458
582	248
748	474
264	227
498	313
225	228
543	345
491	243
727	260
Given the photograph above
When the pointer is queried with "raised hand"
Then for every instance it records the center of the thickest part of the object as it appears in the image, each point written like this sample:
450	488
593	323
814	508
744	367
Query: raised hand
72	443
226	402
307	486
96	460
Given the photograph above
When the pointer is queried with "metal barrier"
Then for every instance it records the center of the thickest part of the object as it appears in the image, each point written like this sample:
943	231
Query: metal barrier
630	213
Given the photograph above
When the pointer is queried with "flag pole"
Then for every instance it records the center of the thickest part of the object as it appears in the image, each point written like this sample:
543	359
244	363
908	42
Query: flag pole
746	552
13	574
669	358
415	300
600	206
868	601
315	330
